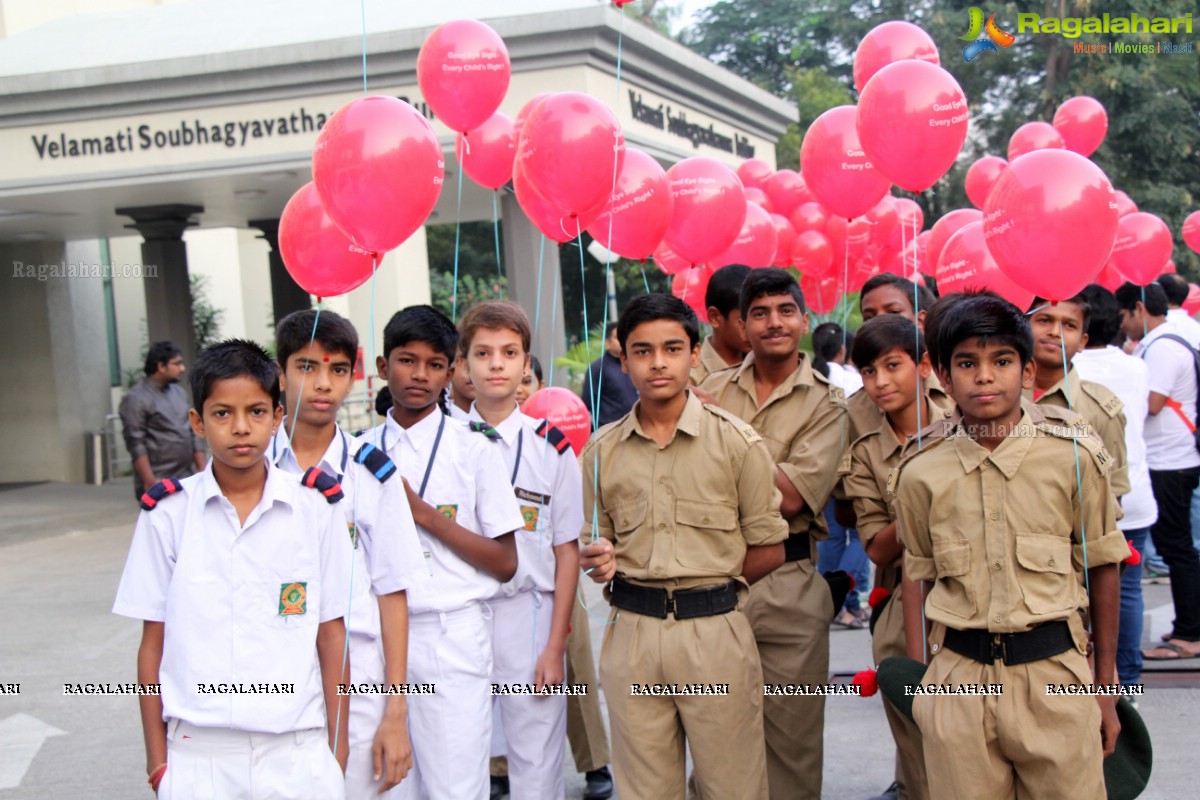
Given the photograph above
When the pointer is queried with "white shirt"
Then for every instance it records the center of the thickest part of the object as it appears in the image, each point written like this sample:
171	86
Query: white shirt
456	412
845	379
389	556
1169	444
549	488
1129	379
468	482
220	587
1185	326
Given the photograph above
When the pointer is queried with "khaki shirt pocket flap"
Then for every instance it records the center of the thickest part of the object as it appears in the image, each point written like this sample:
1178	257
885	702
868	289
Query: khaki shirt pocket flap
706	515
1039	552
952	559
627	516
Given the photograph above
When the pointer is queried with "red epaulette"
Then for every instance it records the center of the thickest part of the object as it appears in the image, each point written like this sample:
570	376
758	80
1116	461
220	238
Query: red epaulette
557	439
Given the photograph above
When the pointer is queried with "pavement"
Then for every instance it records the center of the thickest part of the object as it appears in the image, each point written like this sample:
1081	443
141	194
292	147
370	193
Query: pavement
62	548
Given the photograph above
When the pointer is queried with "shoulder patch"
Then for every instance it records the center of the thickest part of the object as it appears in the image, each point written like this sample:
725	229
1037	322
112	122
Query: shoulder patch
323	482
158	491
744	428
1109	402
487	430
557	439
376	462
911	453
1062	423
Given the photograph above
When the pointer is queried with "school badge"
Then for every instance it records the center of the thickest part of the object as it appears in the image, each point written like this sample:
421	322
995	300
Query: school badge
353	534
449	511
530	515
293	598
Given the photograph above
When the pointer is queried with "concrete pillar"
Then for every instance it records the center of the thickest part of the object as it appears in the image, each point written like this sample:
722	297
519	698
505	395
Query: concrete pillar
286	294
523	246
168	295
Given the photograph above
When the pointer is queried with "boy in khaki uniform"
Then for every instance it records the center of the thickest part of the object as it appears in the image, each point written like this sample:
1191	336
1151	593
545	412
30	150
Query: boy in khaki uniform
681	512
890	356
727	345
992	516
800	416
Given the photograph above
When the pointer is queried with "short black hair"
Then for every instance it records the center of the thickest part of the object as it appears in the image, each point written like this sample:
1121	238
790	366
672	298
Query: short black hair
421	324
1104	322
233	358
1174	287
1079	300
535	366
988	317
769	281
654	306
933	321
332	331
609	328
725	288
924	296
827	340
160	353
884	333
1152	295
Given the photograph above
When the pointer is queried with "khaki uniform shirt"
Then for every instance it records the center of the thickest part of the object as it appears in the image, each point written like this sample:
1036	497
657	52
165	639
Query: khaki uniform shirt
802	422
710	362
1104	411
1000	533
681	515
865	416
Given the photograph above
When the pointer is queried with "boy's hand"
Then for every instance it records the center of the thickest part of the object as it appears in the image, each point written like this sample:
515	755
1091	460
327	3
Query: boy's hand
392	752
549	668
599	560
703	396
1110	726
415	502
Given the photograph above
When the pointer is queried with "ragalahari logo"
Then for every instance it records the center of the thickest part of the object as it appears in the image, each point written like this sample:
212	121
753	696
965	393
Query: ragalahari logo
995	35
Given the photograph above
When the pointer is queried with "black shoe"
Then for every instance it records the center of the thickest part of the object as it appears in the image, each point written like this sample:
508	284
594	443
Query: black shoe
890	793
599	785
499	787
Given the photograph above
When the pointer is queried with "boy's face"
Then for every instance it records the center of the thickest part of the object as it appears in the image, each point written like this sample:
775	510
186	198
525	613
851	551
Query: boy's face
460	382
496	361
774	325
1055	327
319	380
416	374
891	381
658	358
1133	323
238	421
887	299
729	329
986	379
529	385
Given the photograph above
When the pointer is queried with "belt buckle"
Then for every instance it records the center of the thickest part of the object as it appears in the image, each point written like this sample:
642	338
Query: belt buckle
999	649
669	608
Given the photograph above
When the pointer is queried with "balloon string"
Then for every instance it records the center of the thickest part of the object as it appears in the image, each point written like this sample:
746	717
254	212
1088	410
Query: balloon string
645	280
554	309
1087	585
496	236
537	309
363	6
587	342
457	232
1145	331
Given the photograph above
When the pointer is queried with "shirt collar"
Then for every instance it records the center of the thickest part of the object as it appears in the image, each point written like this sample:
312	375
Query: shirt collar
330	462
420	435
1072	379
275	489
689	420
710	358
508	428
802	376
889	442
1007	457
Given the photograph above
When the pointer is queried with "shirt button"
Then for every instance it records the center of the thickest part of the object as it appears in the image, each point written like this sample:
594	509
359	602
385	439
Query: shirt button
1050	562
705	520
998	618
934	648
657	570
996	565
995	515
662	525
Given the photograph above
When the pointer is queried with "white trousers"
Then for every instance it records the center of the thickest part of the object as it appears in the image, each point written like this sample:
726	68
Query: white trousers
366	712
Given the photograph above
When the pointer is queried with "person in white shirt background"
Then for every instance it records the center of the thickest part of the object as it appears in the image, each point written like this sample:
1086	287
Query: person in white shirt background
1176	289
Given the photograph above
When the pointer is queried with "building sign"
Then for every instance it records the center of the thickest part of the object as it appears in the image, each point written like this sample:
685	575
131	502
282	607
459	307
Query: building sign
663	117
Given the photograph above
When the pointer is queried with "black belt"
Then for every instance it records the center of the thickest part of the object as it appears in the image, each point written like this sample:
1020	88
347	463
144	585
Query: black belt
797	547
707	601
1048	639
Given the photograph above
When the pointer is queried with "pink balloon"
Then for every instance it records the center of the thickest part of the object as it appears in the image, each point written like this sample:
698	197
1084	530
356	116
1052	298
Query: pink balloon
821	295
946	227
690	286
463	71
754	173
567	149
912	122
981	176
836	169
315	252
861	271
924	265
564	410
1110	277
710	207
1125	204
1050	222
555	223
1034	136
755	244
523	114
1192	303
1168	269
849	238
787	190
669	261
812	254
378	167
966	264
785	234
1083	123
487	155
759	198
884	220
1142	248
890	42
809	217
910	216
1191	231
643	206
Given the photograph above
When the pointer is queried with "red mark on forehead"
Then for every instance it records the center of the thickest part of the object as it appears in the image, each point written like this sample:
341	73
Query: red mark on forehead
326	359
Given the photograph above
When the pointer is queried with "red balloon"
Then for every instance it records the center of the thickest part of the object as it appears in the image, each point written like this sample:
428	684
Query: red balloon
787	190
1191	231
1034	136
754	173
690	286
1083	123
821	295
849	238
755	244
884	220
487	153
1142	248
315	252
861	271
946	227
809	217
669	261
555	223
981	176
836	169
911	218
710	207
523	114
890	42
1050	222
564	410
924	265
378	167
812	254
1125	204
463	71
1110	277
759	197
643	206
1168	269
567	150
1191	303
912	122
967	264
785	234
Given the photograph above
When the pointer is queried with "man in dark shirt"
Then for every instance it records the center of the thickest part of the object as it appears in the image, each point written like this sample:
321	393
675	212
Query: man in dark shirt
617	394
154	421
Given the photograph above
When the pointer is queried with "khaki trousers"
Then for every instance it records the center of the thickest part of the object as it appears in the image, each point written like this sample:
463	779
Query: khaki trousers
888	642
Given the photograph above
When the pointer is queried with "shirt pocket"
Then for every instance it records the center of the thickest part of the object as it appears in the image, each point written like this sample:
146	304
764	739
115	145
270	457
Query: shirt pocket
1045	573
953	592
707	537
633	544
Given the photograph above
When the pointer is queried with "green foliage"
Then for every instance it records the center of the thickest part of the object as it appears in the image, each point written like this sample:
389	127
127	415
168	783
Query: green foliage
206	318
579	357
657	14
479	275
471	290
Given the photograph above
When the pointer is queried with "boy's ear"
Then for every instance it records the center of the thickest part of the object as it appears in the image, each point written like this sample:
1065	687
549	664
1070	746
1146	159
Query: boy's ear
944	378
1083	340
196	421
1028	373
924	367
278	419
921	321
695	356
381	367
715	318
